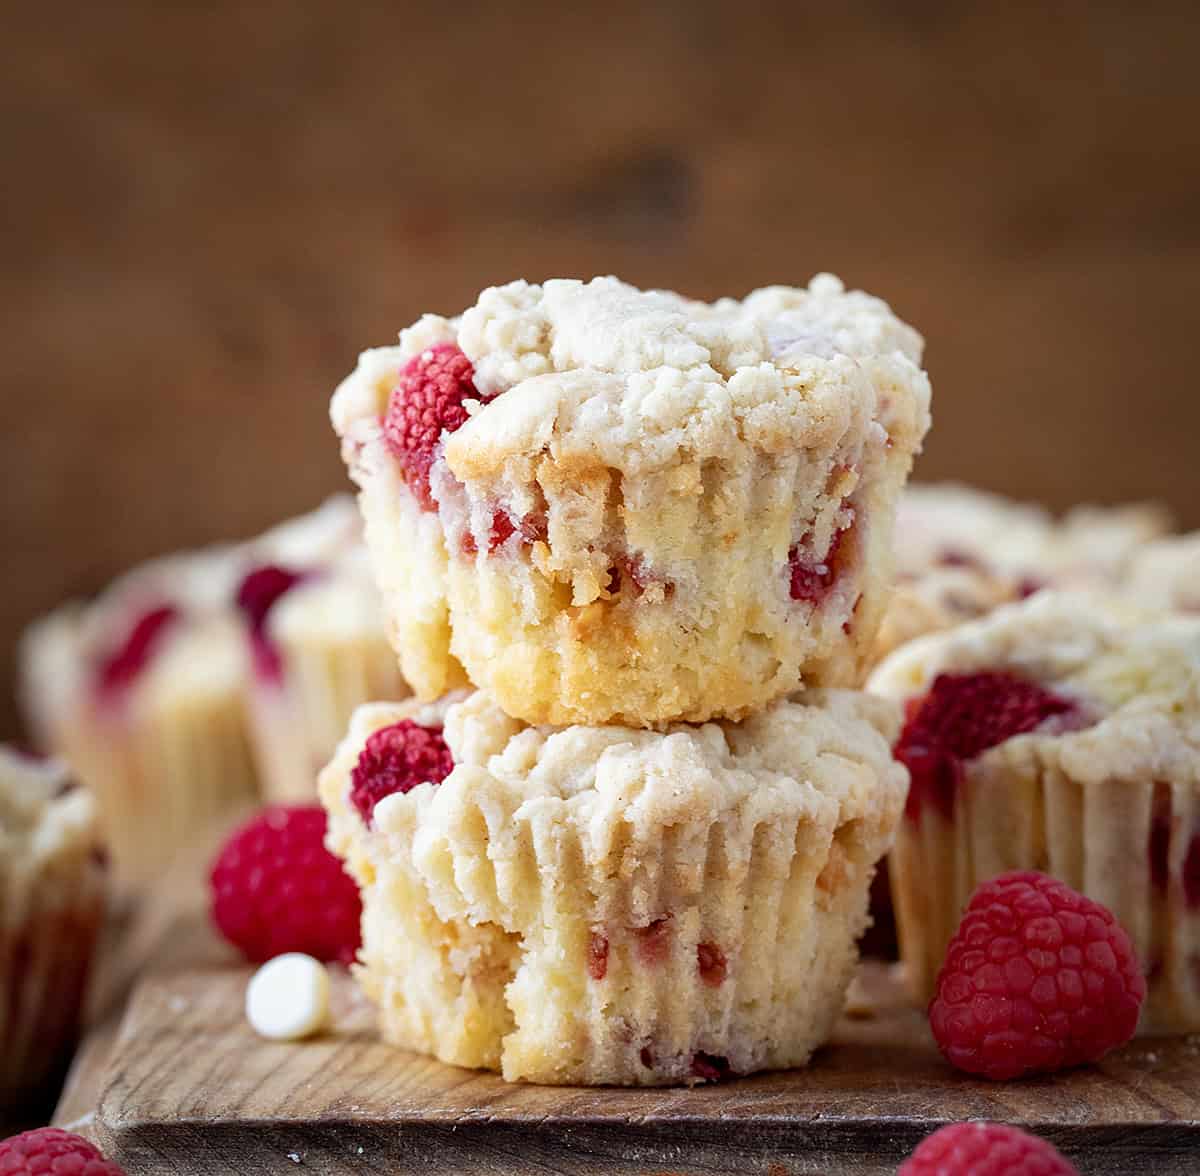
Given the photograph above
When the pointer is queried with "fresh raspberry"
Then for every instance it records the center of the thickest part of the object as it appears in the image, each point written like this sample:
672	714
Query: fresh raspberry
51	1152
397	759
812	581
123	665
961	717
1036	978
985	1149
531	528
256	596
427	402
276	888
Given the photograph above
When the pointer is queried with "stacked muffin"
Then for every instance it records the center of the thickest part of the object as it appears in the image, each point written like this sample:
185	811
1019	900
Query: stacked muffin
656	534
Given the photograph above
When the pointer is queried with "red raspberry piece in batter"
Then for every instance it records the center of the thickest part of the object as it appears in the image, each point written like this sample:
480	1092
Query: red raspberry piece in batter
427	402
597	956
812	581
398	759
124	664
1036	978
961	717
257	594
710	959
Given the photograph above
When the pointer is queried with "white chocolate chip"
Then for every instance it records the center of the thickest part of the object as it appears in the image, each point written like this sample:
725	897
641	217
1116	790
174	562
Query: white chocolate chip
288	997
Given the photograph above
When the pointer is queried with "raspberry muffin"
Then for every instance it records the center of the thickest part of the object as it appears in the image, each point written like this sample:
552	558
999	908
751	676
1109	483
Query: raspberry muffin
318	647
51	909
1061	734
1166	574
611	905
952	526
611	505
962	552
143	692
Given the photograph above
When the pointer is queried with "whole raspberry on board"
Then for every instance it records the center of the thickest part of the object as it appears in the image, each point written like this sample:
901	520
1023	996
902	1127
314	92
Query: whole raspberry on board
51	1152
1036	978
985	1149
427	401
962	716
398	759
276	888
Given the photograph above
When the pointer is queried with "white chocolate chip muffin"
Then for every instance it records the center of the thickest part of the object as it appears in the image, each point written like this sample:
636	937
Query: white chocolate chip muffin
196	679
610	905
949	525
1060	734
961	552
51	909
319	647
143	691
939	599
612	505
1165	574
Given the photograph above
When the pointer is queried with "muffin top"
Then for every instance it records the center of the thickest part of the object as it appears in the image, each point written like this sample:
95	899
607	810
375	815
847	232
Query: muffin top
951	525
43	814
172	625
605	373
828	749
1125	683
1166	574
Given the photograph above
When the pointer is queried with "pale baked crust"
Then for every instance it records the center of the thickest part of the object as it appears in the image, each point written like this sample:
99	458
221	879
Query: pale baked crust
662	460
486	895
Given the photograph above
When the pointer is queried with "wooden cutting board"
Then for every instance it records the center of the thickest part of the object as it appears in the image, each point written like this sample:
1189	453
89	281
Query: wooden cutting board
184	1086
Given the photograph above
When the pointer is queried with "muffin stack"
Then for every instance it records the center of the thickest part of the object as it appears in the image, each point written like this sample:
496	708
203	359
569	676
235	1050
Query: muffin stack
656	535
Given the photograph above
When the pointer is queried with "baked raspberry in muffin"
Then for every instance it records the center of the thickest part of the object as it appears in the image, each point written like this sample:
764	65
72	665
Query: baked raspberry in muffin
318	646
51	907
143	691
612	905
1061	734
612	505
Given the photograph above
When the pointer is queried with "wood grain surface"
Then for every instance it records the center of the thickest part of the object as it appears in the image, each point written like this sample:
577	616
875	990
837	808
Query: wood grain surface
210	209
188	1088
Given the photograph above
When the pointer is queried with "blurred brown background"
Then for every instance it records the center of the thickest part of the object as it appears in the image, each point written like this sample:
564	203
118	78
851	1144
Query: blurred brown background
211	209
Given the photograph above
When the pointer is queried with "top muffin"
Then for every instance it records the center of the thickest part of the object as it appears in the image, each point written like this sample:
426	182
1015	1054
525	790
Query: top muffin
611	505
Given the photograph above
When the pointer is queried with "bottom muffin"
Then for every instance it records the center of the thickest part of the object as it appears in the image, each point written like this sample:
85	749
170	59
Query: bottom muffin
1063	735
607	905
51	910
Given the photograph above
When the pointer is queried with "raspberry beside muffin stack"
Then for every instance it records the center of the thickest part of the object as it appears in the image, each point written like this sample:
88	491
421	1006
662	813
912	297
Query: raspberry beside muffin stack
654	532
1061	734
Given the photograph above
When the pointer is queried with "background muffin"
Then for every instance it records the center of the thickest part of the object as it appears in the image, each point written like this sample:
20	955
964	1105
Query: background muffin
52	900
1063	735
